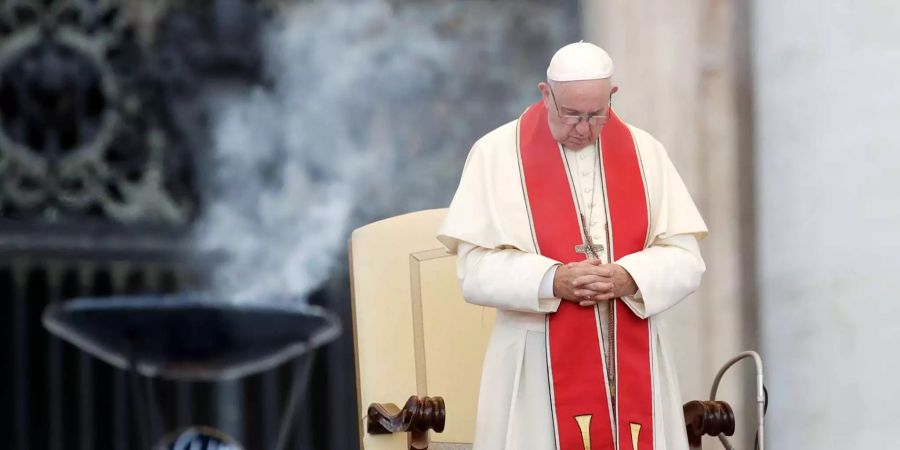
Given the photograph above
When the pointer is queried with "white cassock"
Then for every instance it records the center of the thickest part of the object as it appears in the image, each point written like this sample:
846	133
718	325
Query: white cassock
487	226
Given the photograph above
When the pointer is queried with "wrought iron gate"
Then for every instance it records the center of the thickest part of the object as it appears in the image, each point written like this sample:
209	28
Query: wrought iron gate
100	124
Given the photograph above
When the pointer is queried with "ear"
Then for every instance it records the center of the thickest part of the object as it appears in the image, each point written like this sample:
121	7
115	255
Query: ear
613	90
545	93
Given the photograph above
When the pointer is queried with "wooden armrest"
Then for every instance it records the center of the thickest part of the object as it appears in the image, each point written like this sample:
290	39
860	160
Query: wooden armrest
417	417
710	418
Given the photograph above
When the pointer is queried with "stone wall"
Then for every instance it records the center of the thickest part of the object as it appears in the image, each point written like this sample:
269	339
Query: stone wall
828	165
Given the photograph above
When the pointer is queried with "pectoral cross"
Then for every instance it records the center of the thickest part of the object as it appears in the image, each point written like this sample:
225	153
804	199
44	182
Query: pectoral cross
589	249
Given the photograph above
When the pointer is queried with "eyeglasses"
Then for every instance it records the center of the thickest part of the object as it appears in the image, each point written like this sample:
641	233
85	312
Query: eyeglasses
591	119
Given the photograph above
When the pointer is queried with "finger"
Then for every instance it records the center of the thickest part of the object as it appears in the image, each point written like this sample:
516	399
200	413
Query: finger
600	286
585	294
592	263
604	297
587	269
584	280
602	270
587	303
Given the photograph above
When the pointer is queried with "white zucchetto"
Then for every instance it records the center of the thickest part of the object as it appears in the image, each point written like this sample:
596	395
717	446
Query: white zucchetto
580	61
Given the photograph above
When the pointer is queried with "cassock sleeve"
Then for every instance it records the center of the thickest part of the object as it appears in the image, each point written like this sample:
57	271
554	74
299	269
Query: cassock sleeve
487	228
665	273
504	278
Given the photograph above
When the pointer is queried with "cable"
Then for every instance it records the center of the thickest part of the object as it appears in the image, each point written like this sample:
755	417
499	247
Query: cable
762	397
765	410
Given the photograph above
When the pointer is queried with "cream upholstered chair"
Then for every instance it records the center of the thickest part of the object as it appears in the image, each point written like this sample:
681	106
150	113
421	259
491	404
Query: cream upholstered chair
414	335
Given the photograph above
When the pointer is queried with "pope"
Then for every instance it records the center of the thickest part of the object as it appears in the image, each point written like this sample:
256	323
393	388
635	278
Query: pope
577	228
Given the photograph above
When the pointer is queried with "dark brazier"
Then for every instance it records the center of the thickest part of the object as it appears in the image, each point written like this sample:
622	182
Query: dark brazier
193	338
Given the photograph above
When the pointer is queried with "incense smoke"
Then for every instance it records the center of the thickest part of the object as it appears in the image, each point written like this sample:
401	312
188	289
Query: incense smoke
370	111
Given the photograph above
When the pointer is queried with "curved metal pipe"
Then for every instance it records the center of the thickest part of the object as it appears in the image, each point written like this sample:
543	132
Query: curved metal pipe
760	395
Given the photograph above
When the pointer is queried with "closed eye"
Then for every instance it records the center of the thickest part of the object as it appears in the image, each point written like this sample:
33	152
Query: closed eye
571	112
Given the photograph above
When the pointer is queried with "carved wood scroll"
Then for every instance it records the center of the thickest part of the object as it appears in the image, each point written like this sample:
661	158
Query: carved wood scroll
709	418
417	417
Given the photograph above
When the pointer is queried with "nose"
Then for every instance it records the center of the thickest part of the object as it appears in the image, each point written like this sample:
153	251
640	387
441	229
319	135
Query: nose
583	127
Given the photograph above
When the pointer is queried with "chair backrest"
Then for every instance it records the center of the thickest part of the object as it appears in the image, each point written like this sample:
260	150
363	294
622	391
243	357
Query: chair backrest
413	333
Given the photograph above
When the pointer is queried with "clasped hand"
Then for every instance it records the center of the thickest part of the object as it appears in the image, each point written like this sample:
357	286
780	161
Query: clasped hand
589	282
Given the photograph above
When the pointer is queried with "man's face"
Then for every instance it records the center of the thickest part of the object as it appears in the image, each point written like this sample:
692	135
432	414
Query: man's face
577	98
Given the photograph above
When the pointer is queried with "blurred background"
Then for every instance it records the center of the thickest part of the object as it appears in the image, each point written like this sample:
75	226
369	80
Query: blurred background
230	146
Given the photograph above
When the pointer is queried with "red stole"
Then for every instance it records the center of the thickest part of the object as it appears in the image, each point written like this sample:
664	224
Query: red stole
583	414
